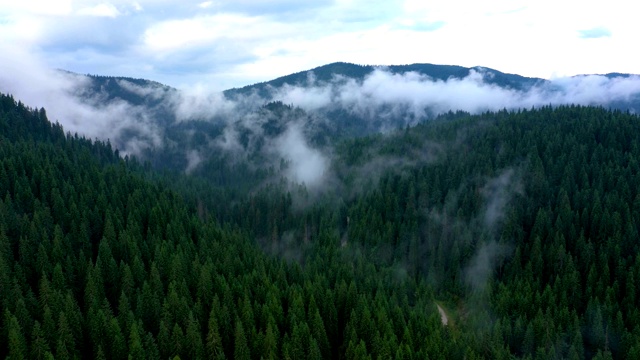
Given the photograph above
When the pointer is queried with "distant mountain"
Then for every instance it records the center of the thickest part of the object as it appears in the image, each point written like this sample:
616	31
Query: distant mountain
134	91
324	105
151	95
329	72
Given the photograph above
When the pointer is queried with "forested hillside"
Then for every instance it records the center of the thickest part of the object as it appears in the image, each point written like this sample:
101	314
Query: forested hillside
522	226
544	200
99	263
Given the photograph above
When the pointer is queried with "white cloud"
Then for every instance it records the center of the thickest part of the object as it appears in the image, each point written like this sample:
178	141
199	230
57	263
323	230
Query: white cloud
383	94
198	102
36	7
310	99
32	82
175	35
234	43
193	160
307	165
100	10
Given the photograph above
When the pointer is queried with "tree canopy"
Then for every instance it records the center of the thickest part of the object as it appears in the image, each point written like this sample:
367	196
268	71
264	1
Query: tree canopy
521	226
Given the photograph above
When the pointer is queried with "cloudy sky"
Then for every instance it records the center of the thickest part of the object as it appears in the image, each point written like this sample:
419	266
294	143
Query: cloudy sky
231	43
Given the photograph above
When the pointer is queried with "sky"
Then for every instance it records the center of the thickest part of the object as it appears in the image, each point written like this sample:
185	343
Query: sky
220	44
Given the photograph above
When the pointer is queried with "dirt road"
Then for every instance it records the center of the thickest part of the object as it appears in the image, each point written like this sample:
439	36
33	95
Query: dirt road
443	315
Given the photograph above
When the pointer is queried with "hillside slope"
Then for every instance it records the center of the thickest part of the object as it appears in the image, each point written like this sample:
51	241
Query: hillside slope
525	221
98	262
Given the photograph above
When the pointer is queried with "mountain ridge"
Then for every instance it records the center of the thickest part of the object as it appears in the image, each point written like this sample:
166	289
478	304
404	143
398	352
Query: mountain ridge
358	71
328	72
324	104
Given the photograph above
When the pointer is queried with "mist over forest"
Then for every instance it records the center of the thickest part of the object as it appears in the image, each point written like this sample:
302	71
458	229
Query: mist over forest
388	95
344	212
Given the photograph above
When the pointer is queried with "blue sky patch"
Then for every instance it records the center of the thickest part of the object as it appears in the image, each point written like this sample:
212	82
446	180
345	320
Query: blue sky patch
595	33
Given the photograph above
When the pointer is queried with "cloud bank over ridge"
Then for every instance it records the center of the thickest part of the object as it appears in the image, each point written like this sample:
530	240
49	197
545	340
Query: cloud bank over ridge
383	99
421	95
